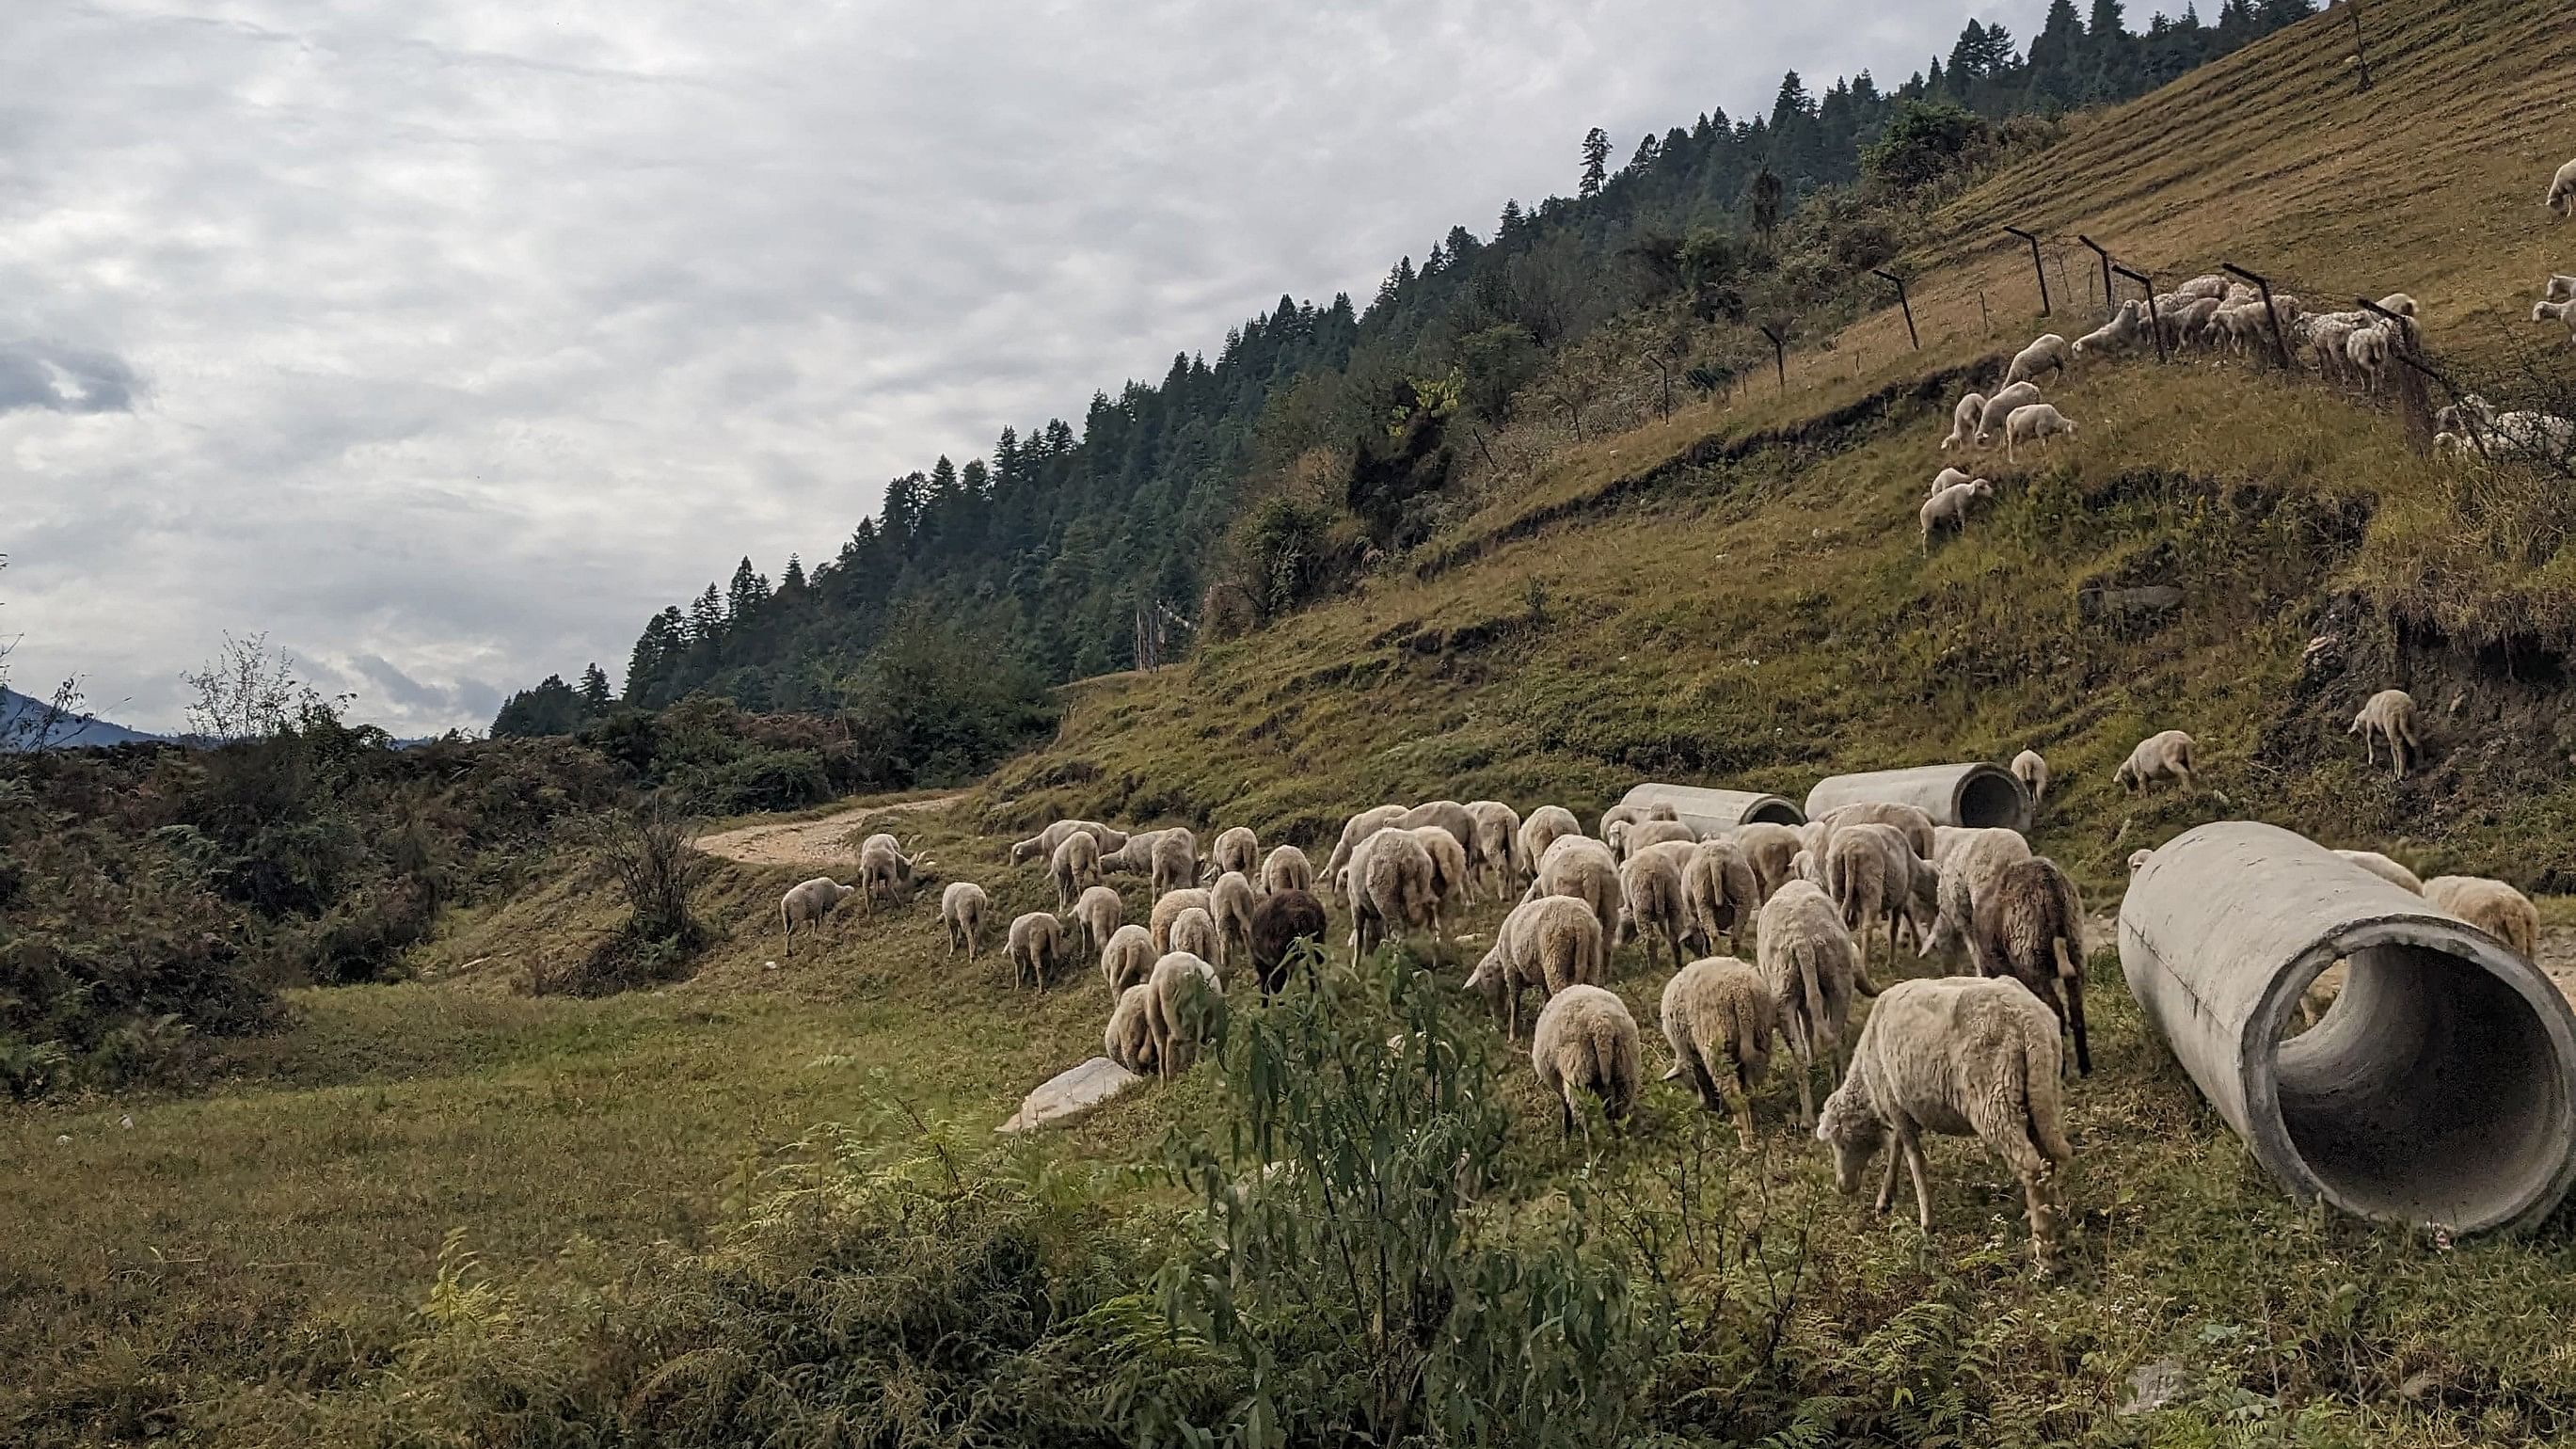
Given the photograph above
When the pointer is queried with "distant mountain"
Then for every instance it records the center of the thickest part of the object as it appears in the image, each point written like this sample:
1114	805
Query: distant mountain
20	717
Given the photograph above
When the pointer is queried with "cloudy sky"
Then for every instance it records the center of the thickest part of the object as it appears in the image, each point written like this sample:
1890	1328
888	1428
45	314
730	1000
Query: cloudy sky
446	340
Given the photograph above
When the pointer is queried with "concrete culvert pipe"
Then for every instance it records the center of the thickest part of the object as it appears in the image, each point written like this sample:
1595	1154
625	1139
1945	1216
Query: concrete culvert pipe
1978	795
2439	1089
1710	811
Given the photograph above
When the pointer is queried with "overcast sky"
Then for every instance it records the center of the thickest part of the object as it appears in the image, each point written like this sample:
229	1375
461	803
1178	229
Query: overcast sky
446	340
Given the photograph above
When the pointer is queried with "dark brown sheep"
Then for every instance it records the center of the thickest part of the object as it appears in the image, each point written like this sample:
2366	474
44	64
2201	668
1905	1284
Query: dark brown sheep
1279	921
2030	926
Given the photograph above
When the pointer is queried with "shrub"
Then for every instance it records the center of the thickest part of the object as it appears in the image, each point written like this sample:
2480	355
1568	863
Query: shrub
1924	142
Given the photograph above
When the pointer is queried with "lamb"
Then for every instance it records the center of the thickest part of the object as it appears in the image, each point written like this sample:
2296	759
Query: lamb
1768	849
1231	901
1947	478
1970	864
1194	932
1391	889
1182	1013
1354	830
884	867
1075	868
1041	846
1963	1056
1128	958
2384	868
1236	849
807	903
2030	927
1720	888
1169	908
1097	914
1544	827
1585	1038
1581	867
2389	715
1811	968
2561	199
1129	1039
1286	868
2491	906
1495	855
1280	920
1872	873
1550	943
1651	885
962	909
2047	354
1947	510
1037	948
2164	756
2001	405
2115	336
1176	861
1716	1012
2031	768
1963	419
2036	423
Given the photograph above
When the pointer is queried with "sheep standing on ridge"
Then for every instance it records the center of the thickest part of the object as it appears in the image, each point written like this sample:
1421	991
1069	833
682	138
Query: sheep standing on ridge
1037	949
1097	914
1187	1001
1586	1039
1496	853
962	909
1129	1039
1075	868
1231	901
2031	768
2030	927
1812	970
1287	869
1543	827
1280	920
1355	830
1651	887
2562	192
2492	906
2036	423
2164	756
1963	1057
1194	933
1581	867
1964	419
1128	958
1236	848
2047	354
1947	510
1717	1015
2384	868
2001	405
806	904
2390	715
1391	890
1550	943
1169	908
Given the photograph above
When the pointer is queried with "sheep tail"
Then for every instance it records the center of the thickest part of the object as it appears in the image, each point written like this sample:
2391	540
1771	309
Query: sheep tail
2042	1098
1809	981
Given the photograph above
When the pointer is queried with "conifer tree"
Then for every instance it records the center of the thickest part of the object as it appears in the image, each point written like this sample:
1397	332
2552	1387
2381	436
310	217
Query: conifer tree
594	690
1596	162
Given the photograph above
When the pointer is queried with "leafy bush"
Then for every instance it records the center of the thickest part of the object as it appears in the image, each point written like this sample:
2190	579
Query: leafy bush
1926	141
936	702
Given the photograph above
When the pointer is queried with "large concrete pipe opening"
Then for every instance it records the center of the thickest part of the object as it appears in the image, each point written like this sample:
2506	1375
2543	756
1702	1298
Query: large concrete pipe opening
1979	794
1709	811
2438	1089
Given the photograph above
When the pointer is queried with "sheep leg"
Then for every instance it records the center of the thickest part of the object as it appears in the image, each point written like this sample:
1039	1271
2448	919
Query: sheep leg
1912	1143
2036	1192
1887	1179
1743	1109
1805	1051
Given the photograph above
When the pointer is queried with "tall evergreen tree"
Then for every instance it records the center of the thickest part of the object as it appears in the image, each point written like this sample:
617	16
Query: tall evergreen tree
745	594
2057	76
594	690
792	580
1596	162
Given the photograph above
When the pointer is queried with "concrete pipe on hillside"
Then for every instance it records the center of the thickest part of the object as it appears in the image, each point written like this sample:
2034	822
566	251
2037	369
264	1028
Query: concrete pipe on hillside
1978	795
1710	811
2439	1089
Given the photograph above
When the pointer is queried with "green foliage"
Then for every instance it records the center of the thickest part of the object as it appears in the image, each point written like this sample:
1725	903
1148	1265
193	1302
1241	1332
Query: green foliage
1925	142
1286	553
937	702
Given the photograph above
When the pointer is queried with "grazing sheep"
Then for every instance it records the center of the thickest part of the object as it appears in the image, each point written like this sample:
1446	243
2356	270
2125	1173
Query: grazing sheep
2562	192
2562	313
1723	894
1097	914
2031	768
1286	868
1188	999
2491	906
2164	756
2562	288
2115	336
2390	715
1231	900
1037	948
2212	285
1194	932
1496	854
1551	943
1075	868
1544	827
1354	830
2001	405
1913	820
1632	814
1657	832
1585	1038
1716	1012
1236	848
1391	890
1176	861
1129	1039
1169	908
1128	958
2030	927
1971	861
1136	857
1963	1057
806	904
883	867
1448	875
2047	354
2036	423
2384	868
1947	478
1873	875
1581	867
1280	920
1947	510
1041	846
1963	419
1811	968
1768	849
1650	885
962	909
2367	349
1446	815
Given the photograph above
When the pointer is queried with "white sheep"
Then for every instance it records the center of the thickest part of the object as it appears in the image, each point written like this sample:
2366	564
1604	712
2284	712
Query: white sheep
1964	1056
1168	909
1231	901
1097	914
1913	820
1722	891
1194	932
1947	510
2047	354
2194	322
1135	857
1496	855
2000	407
1717	1015
1631	814
1041	846
1176	861
2212	285
1653	905
1586	1039
2367	350
1550	943
1874	876
1074	868
2562	192
2115	336
1286	868
1768	848
2036	423
2031	768
1129	1038
2165	755
1811	968
1037	948
806	904
1128	958
1581	867
883	867
1187	1002
2561	288
1446	815
1964	418
962	909
1354	830
1542	828
1970	862
1391	890
1646	833
2562	313
2389	715
1947	478
1449	880
2384	868
2492	906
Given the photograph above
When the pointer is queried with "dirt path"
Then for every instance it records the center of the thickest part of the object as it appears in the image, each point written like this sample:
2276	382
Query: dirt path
809	842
